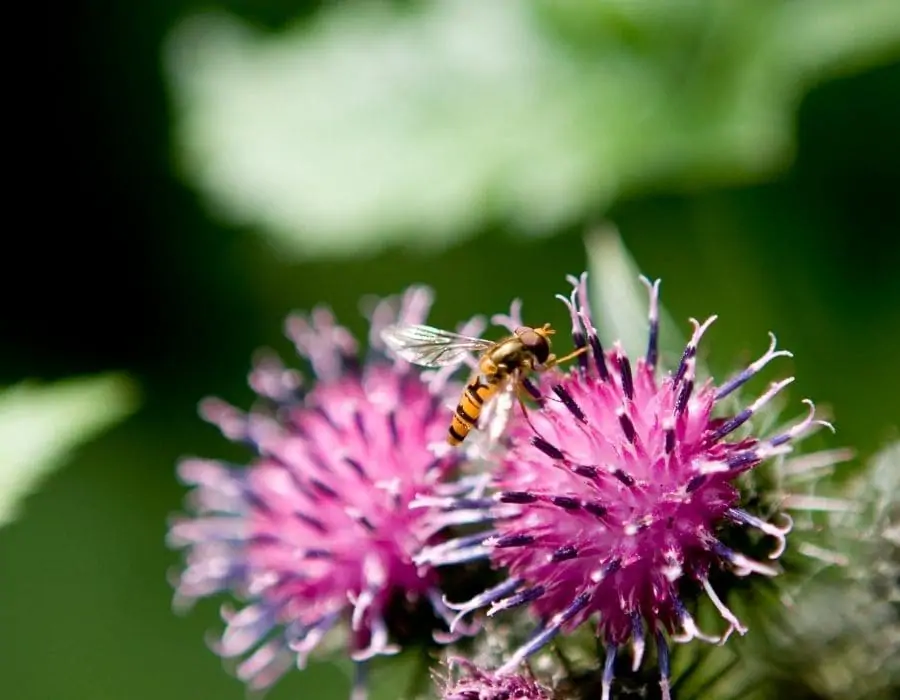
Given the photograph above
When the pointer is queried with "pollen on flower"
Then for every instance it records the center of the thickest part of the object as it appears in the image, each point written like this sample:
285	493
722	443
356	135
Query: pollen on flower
614	493
316	530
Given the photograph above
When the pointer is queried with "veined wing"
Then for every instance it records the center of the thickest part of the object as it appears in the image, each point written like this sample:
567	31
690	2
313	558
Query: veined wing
431	347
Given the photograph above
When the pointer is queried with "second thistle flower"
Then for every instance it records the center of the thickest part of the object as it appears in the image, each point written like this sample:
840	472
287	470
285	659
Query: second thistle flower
316	533
474	683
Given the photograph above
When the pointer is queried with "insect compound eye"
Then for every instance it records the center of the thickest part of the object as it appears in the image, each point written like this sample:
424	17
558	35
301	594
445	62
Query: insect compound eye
535	342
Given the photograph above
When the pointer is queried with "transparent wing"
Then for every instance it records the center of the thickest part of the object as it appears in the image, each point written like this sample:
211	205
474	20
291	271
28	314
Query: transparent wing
499	410
431	347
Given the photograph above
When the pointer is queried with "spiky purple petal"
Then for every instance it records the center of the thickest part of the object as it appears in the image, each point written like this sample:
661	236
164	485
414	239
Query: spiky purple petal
317	531
477	684
615	492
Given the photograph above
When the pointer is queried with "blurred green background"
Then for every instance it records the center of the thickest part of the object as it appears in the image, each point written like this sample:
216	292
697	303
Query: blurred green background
149	274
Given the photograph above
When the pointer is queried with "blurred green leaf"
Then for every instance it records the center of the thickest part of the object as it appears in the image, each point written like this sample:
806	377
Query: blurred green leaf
406	676
620	301
376	123
39	425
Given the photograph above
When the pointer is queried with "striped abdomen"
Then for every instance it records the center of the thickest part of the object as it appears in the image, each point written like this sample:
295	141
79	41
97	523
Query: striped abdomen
478	391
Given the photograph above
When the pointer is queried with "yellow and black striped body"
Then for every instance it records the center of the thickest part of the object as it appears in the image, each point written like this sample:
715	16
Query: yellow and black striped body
479	390
515	355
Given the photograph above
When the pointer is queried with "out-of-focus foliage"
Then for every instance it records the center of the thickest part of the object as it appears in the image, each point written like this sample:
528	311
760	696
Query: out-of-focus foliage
621	301
420	122
838	634
41	424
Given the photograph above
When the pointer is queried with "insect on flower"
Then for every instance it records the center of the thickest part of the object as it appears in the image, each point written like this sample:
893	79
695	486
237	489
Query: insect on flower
501	370
609	504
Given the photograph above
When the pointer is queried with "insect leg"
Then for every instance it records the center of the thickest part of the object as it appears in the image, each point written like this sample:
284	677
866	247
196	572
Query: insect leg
552	361
487	366
520	387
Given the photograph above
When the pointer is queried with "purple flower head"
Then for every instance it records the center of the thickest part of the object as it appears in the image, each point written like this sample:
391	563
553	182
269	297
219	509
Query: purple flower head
613	494
316	530
476	684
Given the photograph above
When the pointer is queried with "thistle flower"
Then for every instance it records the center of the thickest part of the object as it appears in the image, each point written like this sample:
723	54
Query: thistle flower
477	684
611	497
317	529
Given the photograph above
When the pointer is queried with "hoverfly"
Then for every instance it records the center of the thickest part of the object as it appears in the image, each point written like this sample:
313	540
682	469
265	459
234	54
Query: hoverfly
502	365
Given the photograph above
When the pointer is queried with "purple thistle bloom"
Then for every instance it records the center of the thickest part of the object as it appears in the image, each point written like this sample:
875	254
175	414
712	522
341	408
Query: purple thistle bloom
477	684
613	493
317	529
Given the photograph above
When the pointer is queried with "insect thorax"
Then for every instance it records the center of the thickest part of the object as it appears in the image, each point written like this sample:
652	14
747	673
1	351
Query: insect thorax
509	355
